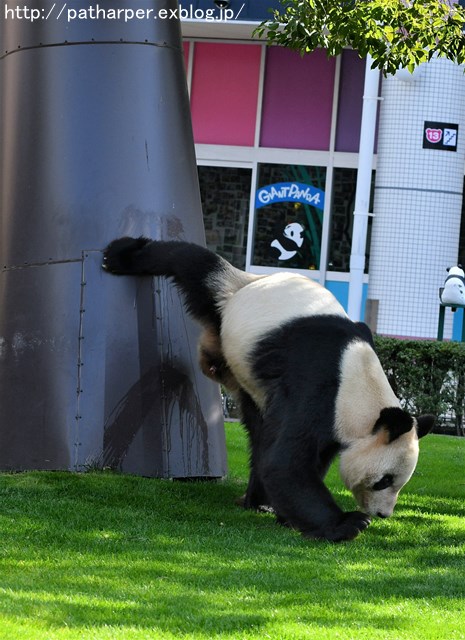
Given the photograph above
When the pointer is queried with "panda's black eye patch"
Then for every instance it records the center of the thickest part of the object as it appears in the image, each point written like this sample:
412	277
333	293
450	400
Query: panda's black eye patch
385	482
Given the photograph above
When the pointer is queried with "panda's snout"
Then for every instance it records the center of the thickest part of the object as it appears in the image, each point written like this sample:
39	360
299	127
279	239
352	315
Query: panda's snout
383	510
380	506
379	512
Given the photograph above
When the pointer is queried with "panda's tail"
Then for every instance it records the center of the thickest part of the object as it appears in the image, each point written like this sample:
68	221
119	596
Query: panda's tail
205	279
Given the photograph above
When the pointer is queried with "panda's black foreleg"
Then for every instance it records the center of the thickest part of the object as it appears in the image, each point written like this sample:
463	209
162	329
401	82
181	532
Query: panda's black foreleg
299	497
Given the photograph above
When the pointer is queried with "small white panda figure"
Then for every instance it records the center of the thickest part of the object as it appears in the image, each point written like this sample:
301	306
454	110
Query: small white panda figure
292	238
454	287
308	380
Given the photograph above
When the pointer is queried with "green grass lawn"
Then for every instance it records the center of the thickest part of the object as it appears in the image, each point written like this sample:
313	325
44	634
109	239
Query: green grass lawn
106	556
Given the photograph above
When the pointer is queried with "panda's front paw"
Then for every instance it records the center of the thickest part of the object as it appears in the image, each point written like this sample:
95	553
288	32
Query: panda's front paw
353	523
347	528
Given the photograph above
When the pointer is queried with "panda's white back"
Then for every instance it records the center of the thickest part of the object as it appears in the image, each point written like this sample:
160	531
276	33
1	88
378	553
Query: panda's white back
263	306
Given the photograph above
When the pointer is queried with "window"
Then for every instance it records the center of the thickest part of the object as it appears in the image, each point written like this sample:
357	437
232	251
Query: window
225	193
289	214
342	220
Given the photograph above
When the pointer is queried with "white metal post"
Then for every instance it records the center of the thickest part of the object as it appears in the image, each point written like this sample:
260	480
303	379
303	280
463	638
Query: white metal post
362	193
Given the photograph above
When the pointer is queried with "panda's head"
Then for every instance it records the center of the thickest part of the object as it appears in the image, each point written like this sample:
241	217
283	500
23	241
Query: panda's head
294	232
456	271
376	467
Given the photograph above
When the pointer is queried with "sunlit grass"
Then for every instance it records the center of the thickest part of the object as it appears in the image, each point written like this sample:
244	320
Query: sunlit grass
100	555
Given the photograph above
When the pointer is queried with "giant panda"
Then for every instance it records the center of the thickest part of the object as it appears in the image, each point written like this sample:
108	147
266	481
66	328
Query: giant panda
308	380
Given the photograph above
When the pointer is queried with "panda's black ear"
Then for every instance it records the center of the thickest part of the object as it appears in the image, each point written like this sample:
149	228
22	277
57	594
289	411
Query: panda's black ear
394	421
425	424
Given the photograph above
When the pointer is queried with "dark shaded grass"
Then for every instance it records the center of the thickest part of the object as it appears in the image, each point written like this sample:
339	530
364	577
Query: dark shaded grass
101	555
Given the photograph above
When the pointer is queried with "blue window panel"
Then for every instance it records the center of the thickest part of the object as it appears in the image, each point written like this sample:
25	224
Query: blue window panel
340	291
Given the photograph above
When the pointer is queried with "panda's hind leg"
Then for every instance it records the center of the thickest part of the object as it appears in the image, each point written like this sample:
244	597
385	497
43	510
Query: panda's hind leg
212	361
255	496
213	364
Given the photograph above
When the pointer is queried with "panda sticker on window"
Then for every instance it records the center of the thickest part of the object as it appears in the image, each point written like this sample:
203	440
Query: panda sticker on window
289	218
285	246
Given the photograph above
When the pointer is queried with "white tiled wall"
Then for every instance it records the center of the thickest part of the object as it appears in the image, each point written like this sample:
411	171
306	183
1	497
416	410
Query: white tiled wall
418	200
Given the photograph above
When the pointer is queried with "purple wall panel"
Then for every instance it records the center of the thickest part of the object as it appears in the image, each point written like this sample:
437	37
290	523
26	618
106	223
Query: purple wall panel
350	102
297	101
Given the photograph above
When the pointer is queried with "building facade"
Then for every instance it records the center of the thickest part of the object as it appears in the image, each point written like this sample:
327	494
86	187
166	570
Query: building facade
277	139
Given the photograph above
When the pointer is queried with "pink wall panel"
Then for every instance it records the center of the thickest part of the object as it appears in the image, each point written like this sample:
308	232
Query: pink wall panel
297	102
224	93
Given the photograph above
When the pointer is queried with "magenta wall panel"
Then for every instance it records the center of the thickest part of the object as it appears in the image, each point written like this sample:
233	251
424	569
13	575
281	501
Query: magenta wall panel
350	102
297	101
224	93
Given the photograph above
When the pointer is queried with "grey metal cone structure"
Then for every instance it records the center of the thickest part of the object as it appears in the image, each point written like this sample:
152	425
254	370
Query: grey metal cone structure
96	142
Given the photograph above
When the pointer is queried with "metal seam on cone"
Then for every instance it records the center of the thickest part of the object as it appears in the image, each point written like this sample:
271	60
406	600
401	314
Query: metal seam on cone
162	45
